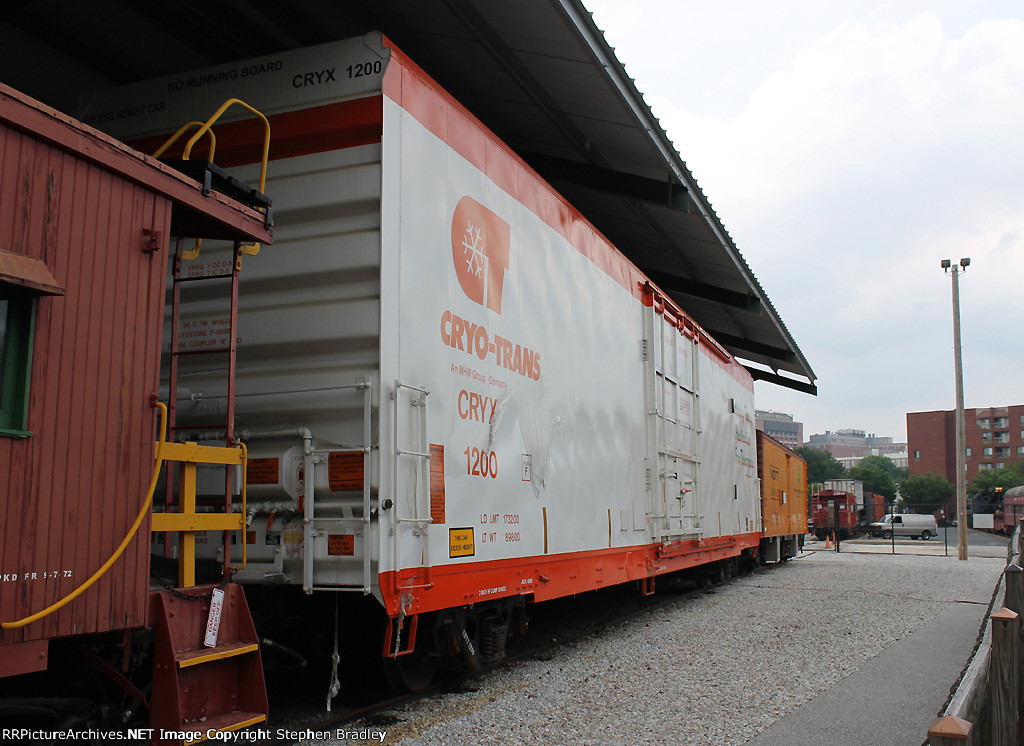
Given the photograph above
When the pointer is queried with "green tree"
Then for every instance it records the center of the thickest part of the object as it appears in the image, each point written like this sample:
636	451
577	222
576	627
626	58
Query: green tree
877	477
1011	475
926	491
821	465
884	463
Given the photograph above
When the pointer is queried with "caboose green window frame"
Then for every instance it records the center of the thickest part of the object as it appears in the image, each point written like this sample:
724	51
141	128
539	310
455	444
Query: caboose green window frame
17	327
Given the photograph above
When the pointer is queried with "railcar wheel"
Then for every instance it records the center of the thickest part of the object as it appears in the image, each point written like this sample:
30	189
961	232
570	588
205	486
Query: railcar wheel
412	672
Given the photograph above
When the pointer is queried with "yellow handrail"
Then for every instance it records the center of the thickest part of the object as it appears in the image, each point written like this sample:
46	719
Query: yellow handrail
181	130
217	114
192	253
206	128
124	544
247	249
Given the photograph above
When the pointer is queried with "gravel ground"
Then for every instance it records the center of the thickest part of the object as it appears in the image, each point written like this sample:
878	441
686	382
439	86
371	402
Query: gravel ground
715	669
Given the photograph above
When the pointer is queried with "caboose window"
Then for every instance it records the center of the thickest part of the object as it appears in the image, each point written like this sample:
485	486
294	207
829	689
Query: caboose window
17	318
22	280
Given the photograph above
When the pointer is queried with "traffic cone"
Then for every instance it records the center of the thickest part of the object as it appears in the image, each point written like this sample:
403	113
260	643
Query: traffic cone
828	541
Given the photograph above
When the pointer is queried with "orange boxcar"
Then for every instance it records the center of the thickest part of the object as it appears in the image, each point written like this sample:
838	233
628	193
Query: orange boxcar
783	499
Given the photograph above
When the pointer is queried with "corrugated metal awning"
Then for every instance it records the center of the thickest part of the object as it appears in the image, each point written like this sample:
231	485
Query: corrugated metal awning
537	72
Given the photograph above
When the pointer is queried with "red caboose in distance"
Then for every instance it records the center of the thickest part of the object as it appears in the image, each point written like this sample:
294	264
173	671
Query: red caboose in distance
1012	512
874	508
834	512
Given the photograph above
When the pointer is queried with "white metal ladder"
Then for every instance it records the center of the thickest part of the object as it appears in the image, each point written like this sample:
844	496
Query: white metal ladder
414	512
314	457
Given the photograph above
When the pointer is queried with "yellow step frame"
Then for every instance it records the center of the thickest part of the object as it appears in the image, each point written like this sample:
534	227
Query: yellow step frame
187	521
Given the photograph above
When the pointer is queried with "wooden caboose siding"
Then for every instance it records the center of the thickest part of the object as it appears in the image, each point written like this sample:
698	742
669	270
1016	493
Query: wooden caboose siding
71	491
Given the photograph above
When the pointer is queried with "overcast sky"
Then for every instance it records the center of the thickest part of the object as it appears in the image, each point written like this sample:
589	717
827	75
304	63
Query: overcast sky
849	146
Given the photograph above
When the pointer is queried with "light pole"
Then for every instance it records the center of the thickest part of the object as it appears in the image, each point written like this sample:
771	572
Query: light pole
961	485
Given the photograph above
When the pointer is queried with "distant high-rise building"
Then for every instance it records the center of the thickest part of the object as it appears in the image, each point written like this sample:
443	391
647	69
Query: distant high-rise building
780	426
898	459
994	438
849	443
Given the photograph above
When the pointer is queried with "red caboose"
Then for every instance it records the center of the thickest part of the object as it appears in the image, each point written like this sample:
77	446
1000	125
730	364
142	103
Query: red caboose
834	512
874	508
85	241
1012	511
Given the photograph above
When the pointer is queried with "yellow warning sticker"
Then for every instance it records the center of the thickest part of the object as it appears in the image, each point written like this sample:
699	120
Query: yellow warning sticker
460	542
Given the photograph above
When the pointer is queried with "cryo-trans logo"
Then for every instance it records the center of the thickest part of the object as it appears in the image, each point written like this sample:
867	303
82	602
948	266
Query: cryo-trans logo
480	244
480	251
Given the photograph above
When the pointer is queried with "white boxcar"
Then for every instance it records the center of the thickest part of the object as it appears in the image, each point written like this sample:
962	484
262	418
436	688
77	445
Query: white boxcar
452	387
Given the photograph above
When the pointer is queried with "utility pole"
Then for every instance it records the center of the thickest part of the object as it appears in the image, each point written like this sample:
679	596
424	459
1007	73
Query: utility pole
961	434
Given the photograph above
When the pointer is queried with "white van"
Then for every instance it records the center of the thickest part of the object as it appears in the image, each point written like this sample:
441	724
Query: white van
905	524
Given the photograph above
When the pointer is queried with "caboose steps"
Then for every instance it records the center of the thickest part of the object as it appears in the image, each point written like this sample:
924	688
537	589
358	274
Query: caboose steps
219	687
221	651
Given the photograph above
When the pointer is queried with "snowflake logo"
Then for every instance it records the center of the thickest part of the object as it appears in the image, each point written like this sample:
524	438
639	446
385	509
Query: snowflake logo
480	252
473	244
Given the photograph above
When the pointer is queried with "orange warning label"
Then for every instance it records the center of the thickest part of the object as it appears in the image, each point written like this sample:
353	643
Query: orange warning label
263	471
436	483
345	471
341	545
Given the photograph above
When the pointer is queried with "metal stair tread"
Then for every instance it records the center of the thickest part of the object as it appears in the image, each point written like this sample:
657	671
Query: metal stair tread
186	658
235	720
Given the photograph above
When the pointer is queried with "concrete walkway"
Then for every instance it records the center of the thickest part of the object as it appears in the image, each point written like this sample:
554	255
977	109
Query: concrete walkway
895	697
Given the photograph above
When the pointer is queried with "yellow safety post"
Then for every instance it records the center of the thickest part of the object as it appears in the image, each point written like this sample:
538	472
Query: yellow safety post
187	521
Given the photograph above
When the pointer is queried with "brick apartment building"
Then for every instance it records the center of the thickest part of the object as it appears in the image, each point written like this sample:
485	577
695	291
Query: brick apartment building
994	438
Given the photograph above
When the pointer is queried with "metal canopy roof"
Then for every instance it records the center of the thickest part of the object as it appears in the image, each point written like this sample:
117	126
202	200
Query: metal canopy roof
539	73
